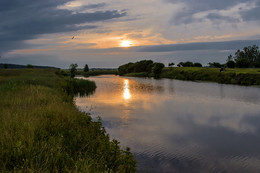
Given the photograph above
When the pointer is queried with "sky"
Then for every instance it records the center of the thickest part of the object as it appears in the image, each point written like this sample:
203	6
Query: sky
109	33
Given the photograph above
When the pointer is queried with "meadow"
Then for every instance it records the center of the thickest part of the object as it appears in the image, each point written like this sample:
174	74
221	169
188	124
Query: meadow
43	131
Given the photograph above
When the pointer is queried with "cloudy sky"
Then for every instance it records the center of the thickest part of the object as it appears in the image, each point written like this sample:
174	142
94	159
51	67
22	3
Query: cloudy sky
108	33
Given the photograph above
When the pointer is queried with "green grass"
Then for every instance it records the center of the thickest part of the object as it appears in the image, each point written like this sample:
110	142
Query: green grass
230	76
42	131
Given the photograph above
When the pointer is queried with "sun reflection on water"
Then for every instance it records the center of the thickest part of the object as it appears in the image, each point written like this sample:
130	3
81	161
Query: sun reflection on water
127	94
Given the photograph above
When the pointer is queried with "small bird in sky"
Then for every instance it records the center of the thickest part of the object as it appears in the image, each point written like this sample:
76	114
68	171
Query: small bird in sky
73	37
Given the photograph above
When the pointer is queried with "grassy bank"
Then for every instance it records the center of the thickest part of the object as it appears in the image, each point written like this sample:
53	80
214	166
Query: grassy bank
230	76
238	76
42	131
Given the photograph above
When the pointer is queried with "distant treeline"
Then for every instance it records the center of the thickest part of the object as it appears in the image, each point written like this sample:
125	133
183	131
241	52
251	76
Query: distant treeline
249	57
16	66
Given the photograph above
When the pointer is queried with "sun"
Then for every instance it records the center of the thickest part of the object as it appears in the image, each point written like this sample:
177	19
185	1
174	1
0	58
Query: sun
126	43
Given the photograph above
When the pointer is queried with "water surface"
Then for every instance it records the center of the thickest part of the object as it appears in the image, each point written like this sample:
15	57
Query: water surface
180	126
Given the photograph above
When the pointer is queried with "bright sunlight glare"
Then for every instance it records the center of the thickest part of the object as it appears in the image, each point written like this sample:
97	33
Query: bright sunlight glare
127	94
126	43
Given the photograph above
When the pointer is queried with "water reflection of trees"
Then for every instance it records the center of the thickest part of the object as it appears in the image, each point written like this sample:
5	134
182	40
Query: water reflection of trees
148	88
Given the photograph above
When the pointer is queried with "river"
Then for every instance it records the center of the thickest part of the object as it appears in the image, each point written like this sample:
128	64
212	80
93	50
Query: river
180	126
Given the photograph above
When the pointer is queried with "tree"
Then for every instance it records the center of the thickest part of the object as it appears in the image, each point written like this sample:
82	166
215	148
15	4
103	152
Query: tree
73	70
126	68
230	58
5	66
196	64
215	64
185	64
243	63
143	66
249	54
140	66
180	64
86	69
157	69
171	64
30	66
231	64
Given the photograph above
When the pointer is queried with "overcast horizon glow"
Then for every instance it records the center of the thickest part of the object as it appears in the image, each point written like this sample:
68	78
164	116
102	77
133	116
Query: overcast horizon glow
113	32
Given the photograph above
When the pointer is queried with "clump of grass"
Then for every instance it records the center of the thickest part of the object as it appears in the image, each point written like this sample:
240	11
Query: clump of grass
79	86
42	131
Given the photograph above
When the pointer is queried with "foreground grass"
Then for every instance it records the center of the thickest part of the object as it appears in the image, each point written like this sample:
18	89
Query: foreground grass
42	131
230	76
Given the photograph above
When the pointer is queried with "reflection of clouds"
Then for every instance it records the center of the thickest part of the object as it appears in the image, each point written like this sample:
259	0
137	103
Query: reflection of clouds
202	123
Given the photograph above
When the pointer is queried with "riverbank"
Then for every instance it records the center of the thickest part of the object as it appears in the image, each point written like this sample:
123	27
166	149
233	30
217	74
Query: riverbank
42	130
245	77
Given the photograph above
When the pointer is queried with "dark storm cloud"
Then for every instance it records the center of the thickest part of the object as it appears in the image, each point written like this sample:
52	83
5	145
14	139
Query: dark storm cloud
219	17
202	5
226	45
252	15
26	19
99	5
185	16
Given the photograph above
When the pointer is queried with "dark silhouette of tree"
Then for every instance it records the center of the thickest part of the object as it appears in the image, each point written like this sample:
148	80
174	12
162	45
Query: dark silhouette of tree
231	64
185	64
230	58
5	66
157	69
215	64
86	69
126	68
140	66
30	66
248	57
196	64
243	63
73	70
171	64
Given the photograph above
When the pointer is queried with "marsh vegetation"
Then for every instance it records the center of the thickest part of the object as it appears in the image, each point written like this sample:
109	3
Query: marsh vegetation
42	130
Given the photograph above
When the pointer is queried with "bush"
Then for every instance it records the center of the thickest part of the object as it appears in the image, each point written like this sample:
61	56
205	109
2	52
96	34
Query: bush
29	66
157	69
196	64
243	63
231	64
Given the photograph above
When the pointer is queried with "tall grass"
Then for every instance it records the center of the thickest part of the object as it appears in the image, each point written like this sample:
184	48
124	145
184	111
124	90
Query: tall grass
79	86
42	131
